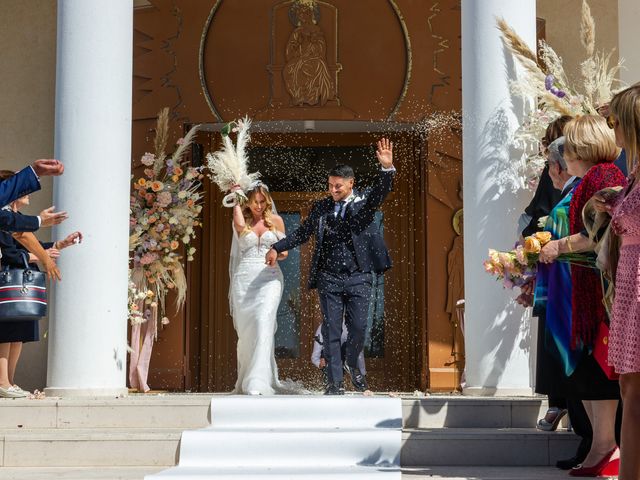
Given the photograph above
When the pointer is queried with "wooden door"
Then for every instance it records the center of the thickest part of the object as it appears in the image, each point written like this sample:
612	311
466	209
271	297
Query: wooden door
295	167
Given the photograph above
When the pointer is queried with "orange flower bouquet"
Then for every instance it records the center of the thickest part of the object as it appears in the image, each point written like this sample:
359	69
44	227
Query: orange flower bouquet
518	266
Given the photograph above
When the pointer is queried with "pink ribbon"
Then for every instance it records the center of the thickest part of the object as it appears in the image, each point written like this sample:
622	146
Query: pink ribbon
142	337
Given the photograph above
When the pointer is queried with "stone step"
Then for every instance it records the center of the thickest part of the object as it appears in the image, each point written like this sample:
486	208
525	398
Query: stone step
426	473
77	473
135	411
294	437
188	411
311	472
260	448
472	412
257	449
159	447
89	447
485	447
305	412
483	473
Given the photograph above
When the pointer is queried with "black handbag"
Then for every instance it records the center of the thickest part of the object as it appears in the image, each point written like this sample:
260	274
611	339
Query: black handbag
23	293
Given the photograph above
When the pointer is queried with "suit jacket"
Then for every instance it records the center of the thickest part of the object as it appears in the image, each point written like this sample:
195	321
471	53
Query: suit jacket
621	162
568	188
371	252
22	183
12	250
14	222
545	198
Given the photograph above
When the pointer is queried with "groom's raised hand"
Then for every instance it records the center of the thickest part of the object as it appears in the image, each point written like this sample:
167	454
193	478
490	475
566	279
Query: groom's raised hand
385	153
271	258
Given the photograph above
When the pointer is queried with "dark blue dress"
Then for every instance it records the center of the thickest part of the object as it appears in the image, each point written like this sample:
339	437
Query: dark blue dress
24	330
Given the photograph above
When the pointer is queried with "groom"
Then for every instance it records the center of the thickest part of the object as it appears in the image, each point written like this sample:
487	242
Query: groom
349	247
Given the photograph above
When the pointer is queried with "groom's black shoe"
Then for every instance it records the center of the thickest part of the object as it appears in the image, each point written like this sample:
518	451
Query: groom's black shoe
358	380
335	388
325	376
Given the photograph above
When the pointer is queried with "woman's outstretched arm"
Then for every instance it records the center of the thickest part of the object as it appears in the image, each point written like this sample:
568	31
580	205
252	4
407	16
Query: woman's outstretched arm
32	244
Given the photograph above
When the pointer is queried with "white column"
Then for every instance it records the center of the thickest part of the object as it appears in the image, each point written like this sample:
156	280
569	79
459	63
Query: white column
628	40
497	333
88	331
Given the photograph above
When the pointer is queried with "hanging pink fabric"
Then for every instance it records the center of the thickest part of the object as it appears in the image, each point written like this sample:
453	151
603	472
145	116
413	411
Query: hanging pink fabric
142	337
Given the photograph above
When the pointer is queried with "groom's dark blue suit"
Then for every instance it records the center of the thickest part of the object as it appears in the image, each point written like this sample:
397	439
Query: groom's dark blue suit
349	247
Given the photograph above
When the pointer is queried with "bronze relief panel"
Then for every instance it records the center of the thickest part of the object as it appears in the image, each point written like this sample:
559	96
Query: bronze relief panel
308	75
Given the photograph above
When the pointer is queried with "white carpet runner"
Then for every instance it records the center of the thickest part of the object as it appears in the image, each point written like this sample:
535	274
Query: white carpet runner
293	437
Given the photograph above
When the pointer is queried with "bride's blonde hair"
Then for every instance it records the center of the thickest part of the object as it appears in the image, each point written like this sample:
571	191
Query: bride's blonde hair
266	214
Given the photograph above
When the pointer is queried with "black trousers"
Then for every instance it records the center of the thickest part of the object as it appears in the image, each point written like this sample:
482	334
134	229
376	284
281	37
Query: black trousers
343	296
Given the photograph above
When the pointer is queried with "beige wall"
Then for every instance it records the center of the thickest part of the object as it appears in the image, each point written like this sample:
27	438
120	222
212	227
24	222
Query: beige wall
27	79
563	29
629	35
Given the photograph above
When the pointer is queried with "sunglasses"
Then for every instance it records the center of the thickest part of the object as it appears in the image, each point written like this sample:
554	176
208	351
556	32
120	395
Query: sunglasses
612	121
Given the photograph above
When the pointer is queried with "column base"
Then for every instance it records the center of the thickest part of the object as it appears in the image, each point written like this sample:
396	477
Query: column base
497	392
85	392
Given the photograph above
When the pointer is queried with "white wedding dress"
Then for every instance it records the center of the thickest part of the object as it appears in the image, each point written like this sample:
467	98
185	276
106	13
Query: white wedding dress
254	296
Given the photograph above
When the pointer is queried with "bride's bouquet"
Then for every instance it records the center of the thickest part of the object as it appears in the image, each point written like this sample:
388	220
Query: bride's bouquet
519	266
228	167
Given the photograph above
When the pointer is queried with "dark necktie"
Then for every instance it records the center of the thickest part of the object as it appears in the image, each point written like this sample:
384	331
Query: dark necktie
340	208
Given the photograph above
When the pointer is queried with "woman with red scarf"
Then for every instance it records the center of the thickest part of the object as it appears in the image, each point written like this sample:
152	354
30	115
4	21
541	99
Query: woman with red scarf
590	151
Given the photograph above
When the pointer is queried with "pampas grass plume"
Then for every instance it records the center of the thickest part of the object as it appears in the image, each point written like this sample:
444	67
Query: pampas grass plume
587	29
514	42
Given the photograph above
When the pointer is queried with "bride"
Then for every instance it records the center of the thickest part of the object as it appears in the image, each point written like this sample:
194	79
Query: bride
255	292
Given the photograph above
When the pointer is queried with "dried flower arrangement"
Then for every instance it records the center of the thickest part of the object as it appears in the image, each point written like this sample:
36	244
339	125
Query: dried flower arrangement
165	211
547	83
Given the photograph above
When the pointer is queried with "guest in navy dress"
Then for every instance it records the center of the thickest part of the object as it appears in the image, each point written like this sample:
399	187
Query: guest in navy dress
14	333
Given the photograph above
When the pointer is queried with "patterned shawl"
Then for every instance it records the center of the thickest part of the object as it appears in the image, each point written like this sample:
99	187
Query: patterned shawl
556	277
586	299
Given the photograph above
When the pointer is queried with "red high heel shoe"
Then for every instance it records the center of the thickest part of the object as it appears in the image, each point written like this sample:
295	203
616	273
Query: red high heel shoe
604	468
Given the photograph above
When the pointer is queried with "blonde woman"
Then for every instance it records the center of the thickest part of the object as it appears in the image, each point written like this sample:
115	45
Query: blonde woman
624	334
255	292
